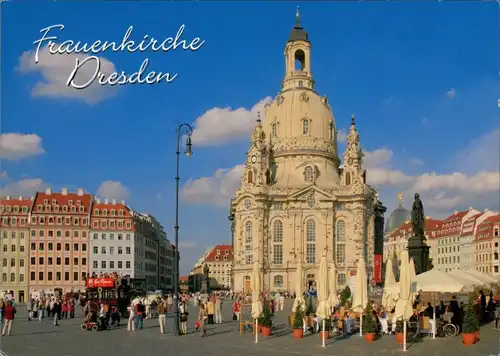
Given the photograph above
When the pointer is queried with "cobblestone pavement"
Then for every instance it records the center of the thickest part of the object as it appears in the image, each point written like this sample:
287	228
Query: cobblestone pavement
35	339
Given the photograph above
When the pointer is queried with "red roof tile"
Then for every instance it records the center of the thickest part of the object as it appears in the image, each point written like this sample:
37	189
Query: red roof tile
406	229
487	229
62	203
452	225
224	251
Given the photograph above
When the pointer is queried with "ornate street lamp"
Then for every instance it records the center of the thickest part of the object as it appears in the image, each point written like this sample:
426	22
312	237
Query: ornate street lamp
181	130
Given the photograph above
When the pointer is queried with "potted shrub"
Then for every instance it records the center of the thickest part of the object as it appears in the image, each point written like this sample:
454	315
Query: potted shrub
266	321
369	325
400	331
298	322
470	324
345	295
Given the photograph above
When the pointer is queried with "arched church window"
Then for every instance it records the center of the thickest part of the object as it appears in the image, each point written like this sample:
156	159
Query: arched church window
300	60
301	84
278	242
311	201
310	241
341	279
340	242
305	127
274	130
348	178
248	243
278	281
250	177
309	174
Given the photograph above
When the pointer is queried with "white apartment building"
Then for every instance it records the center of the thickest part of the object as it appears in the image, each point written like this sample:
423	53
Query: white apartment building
467	237
448	237
112	238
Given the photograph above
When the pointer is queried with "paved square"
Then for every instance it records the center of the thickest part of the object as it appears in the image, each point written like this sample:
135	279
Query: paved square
35	339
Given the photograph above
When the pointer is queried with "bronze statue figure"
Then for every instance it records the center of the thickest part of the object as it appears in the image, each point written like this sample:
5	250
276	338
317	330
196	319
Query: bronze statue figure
417	216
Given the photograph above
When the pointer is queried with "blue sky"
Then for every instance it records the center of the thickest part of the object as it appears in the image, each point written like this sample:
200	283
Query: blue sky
421	78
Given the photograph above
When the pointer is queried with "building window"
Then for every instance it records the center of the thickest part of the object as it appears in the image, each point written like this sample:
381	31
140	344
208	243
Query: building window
305	127
310	241
250	177
309	174
13	262
348	178
127	264
341	279
12	277
103	264
278	281
4	262
248	243
340	242
274	130
311	201
278	242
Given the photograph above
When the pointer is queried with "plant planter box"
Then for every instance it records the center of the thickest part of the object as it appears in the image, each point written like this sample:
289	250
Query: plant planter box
369	337
298	333
468	339
265	331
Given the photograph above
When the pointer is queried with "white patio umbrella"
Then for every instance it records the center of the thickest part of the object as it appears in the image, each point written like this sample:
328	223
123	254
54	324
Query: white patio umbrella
360	299
299	288
322	288
481	276
470	282
404	307
413	275
256	302
388	299
332	277
431	281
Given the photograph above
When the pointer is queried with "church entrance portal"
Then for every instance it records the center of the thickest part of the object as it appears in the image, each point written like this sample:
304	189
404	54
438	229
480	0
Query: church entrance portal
246	285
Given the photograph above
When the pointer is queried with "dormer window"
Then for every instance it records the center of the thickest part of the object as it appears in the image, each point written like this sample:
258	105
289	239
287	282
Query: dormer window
54	202
78	202
65	208
120	212
16	209
112	212
305	127
104	212
56	207
47	208
73	209
70	202
45	201
96	212
39	208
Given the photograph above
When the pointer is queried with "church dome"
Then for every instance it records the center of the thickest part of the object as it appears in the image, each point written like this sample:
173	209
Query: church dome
397	218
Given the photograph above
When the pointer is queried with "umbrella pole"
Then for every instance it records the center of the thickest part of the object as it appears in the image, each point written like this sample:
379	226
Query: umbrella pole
256	330
323	335
361	324
404	335
434	324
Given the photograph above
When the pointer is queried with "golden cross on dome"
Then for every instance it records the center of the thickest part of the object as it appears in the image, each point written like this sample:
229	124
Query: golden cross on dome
400	198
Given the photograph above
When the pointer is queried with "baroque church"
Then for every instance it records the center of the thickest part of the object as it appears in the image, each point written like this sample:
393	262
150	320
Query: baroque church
295	201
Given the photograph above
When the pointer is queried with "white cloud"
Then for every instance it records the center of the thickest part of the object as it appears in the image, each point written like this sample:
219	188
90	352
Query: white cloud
342	136
24	187
215	190
222	125
55	70
378	158
113	190
452	93
14	146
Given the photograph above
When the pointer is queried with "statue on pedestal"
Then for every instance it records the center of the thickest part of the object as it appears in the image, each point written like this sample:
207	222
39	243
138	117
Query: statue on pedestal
417	216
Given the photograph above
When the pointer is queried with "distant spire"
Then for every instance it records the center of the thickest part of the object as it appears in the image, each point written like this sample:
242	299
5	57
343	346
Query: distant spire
258	117
353	120
400	198
297	18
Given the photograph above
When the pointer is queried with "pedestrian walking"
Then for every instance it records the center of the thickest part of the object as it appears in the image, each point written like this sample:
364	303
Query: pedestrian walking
9	313
162	315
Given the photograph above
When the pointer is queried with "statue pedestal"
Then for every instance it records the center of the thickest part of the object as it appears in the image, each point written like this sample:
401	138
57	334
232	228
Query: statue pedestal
419	252
204	287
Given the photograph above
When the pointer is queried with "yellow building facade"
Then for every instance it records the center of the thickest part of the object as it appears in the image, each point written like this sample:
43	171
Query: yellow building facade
295	201
14	232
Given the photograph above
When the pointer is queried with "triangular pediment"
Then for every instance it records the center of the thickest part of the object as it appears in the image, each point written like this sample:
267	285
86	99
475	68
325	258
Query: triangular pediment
305	192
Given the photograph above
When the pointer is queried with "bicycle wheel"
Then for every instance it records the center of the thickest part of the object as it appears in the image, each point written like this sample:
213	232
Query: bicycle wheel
449	330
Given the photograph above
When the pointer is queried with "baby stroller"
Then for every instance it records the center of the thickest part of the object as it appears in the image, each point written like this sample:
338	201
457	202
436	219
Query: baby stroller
90	323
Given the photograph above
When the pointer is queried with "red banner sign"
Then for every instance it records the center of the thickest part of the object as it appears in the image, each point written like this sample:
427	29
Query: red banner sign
100	283
377	269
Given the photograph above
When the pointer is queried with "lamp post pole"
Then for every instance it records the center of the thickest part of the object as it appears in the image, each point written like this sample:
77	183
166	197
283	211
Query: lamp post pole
187	129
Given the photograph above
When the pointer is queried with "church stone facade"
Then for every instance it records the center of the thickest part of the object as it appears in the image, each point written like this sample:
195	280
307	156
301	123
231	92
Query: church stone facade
295	201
